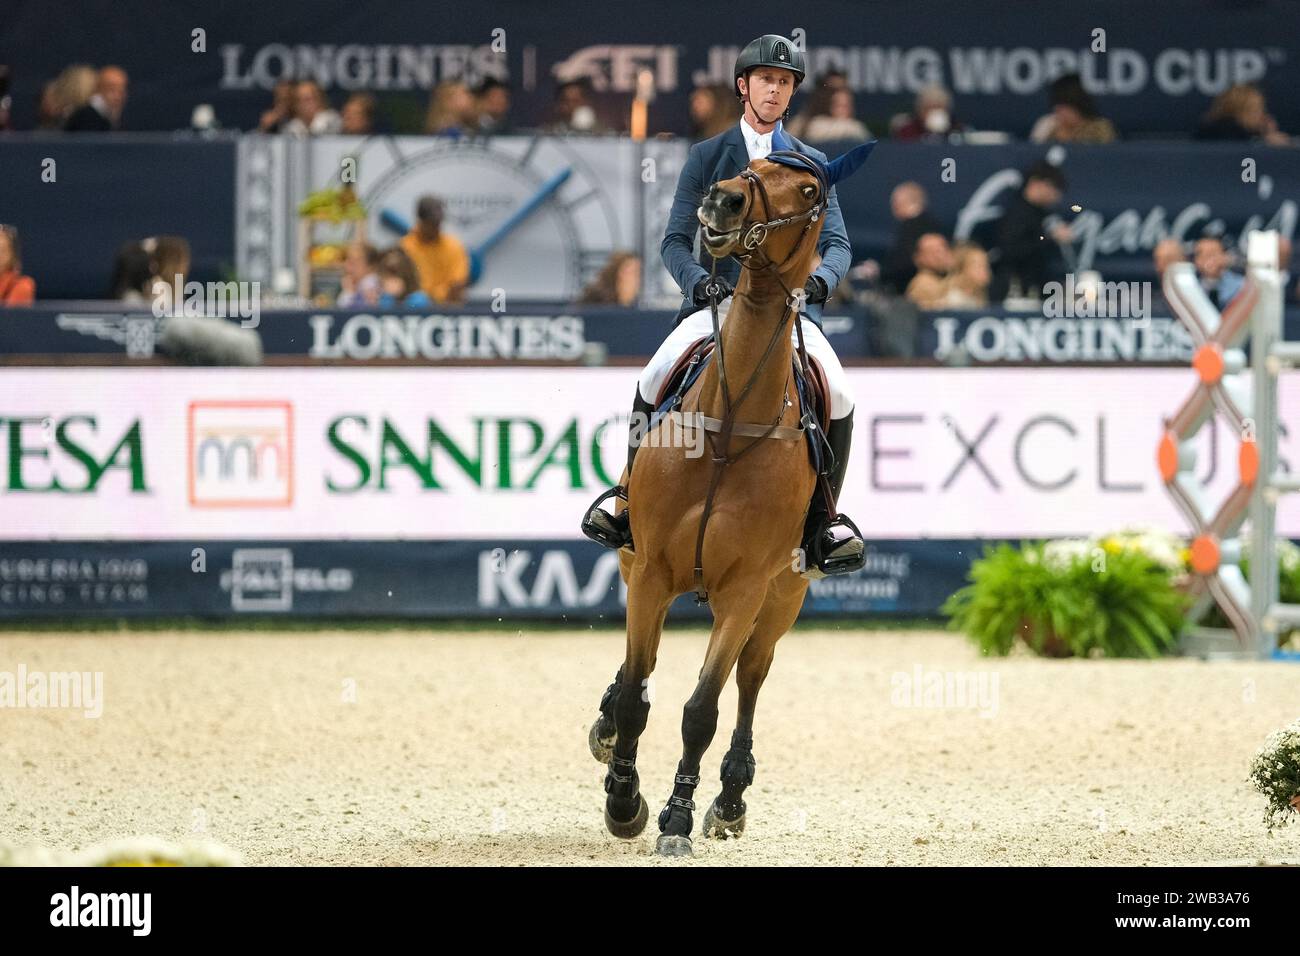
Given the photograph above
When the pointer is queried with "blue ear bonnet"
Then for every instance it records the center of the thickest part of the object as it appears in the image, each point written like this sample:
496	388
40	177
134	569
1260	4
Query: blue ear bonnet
828	173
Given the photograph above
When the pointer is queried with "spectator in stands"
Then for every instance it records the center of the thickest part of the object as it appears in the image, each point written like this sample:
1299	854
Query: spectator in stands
619	282
64	95
1025	254
6	101
312	114
493	107
361	284
931	118
1240	113
170	260
817	102
1074	117
968	283
838	122
132	272
358	115
1166	252
398	283
103	111
278	116
934	261
441	261
573	112
15	288
907	203
1212	263
47	108
713	110
451	110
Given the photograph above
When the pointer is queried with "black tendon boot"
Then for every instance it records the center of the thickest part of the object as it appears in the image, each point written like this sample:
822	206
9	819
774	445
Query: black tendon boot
833	547
615	530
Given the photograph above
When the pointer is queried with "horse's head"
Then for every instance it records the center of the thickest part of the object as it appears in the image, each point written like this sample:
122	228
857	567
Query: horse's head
772	206
776	205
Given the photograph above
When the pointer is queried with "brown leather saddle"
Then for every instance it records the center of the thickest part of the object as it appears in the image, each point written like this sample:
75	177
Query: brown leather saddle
691	363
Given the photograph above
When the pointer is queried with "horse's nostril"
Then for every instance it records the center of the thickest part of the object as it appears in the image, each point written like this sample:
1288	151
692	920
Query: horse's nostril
731	202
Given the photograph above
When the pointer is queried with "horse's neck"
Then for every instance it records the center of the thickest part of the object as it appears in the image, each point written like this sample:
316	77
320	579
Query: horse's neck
757	308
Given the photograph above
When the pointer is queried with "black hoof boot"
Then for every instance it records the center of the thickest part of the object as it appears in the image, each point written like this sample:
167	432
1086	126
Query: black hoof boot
630	829
603	527
626	811
726	815
604	732
676	820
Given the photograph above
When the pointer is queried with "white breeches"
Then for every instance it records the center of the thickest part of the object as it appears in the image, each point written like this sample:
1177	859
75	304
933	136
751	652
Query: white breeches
700	323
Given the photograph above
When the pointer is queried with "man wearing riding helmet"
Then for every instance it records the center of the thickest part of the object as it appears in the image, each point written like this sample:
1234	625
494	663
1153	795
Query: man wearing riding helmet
768	71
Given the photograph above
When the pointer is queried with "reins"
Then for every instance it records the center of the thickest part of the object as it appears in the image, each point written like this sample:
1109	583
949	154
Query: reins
752	241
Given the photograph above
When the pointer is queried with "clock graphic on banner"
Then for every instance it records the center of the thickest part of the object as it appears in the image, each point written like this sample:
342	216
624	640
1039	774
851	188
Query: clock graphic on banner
539	216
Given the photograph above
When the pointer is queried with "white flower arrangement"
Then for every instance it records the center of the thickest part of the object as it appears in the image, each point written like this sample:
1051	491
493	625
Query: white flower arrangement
1162	547
1275	771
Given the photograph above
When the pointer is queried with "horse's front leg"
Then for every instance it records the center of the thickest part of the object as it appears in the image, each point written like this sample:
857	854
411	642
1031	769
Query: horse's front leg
733	622
627	703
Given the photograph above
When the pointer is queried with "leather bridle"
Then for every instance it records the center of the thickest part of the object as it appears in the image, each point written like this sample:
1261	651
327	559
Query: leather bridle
752	240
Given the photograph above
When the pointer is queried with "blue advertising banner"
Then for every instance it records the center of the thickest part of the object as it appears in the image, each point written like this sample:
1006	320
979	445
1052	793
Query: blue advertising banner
83	332
502	580
1152	66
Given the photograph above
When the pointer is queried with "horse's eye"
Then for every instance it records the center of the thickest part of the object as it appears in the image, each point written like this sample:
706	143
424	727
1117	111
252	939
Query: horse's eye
809	192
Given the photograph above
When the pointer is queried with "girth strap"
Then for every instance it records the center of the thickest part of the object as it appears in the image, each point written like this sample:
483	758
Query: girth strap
744	429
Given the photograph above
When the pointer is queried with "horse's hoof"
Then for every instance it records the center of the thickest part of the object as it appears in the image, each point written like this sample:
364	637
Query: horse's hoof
602	748
668	845
715	826
631	828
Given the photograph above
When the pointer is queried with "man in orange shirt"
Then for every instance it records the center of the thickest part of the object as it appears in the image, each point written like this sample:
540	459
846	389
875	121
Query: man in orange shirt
440	259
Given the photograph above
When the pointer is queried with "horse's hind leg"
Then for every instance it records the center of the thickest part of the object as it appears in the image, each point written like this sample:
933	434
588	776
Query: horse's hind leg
629	704
726	815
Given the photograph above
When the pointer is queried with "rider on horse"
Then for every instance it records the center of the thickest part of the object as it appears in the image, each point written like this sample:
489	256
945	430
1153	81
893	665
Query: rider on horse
767	72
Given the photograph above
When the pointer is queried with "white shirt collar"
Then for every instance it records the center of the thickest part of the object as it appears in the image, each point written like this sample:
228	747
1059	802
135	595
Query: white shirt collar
757	144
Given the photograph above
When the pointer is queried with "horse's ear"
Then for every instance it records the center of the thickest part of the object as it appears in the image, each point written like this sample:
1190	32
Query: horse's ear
842	167
780	140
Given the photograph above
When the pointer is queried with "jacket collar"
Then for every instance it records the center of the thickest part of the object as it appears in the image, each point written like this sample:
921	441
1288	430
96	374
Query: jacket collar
736	155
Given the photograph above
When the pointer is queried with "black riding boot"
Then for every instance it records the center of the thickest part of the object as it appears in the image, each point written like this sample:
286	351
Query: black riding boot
833	547
615	530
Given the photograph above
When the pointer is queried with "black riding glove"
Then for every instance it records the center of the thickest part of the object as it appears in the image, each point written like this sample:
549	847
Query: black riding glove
815	289
722	287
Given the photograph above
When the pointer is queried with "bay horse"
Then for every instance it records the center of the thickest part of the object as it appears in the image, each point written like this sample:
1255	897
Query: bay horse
732	533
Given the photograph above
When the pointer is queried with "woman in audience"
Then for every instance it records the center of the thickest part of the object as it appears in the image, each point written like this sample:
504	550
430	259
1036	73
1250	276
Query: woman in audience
398	283
1074	117
15	288
360	278
838	122
619	282
1240	113
451	110
967	286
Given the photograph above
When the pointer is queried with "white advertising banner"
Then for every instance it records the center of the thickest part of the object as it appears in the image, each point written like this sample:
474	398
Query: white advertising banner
466	453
